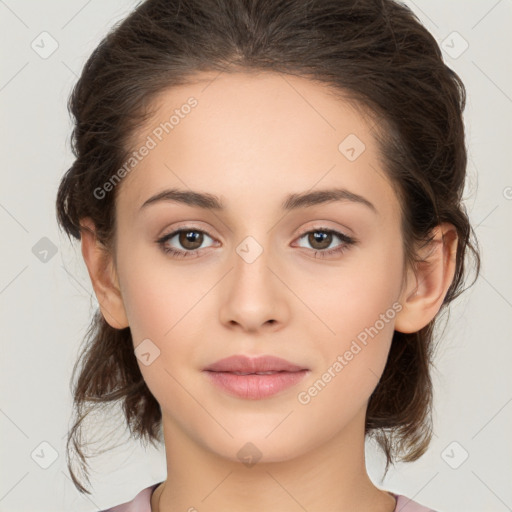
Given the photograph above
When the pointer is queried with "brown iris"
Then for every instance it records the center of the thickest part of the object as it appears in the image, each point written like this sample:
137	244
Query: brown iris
323	237
191	239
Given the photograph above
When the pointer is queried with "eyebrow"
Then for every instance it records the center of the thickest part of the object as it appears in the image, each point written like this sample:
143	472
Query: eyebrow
292	202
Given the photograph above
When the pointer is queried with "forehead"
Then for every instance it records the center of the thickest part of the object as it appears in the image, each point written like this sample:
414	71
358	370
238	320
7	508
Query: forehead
261	135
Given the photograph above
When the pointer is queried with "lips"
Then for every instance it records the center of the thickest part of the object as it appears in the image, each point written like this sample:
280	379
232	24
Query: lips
254	378
261	365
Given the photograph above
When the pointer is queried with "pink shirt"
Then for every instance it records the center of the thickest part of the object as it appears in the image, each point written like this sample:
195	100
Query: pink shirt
142	503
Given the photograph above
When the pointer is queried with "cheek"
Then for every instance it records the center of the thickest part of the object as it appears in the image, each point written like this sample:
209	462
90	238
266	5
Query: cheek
356	295
148	309
360	306
163	306
152	294
351	364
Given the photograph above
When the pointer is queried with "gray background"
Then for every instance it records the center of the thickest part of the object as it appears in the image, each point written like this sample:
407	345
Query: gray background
46	299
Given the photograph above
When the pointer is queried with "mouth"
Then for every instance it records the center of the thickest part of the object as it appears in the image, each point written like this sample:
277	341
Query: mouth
254	378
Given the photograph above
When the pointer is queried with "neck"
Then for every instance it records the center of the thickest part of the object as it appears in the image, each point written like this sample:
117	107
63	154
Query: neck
331	476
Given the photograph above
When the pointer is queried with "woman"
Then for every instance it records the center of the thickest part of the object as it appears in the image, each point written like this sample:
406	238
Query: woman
268	198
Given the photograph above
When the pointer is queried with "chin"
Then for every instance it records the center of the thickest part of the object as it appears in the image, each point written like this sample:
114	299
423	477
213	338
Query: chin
254	447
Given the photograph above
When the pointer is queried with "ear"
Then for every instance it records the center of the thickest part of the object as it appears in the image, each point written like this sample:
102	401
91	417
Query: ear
423	294
104	279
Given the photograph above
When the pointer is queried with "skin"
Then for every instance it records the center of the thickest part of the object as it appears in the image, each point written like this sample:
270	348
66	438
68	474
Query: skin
252	140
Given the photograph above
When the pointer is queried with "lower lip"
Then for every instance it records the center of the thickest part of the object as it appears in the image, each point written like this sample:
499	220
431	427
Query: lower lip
255	387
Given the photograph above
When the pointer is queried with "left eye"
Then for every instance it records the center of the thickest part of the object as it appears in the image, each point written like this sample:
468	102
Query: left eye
321	239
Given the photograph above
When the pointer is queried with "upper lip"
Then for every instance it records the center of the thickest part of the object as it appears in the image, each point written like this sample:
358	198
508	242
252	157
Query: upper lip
244	364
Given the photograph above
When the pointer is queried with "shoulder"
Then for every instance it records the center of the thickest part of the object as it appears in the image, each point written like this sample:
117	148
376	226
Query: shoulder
141	502
404	504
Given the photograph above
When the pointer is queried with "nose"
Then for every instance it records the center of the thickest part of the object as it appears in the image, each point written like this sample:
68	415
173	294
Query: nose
253	295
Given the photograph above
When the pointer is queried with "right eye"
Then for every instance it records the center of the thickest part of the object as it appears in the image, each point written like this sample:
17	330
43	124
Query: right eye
190	239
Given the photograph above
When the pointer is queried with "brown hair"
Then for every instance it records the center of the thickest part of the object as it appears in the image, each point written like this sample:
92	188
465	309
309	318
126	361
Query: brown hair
378	54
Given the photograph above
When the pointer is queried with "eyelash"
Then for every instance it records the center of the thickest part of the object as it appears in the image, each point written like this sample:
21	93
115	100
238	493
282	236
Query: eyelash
346	242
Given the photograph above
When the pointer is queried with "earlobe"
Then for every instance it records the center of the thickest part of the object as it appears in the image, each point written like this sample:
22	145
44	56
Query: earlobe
103	277
424	293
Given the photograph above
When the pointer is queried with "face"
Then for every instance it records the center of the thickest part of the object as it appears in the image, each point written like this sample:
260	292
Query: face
314	282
